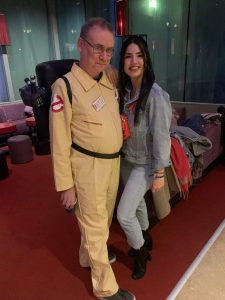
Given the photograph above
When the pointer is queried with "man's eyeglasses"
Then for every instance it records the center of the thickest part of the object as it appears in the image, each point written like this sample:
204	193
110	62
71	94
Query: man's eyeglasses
99	49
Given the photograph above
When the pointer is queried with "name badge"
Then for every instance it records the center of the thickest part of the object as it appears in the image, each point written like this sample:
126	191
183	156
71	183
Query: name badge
99	103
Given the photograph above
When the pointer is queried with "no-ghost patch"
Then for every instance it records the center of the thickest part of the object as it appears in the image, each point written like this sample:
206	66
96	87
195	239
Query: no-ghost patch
57	103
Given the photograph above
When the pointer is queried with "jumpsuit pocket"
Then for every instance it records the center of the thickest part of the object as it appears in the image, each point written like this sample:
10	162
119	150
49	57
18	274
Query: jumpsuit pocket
93	126
93	122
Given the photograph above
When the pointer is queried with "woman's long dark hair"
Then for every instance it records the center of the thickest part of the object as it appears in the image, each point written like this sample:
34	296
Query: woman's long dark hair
148	75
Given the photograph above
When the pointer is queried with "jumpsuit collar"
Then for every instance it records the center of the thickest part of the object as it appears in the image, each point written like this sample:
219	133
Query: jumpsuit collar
86	81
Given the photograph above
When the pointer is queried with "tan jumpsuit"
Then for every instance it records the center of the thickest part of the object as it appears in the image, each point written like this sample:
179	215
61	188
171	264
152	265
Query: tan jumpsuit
93	122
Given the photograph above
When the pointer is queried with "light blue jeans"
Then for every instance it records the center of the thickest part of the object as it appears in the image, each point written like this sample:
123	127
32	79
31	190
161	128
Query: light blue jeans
132	211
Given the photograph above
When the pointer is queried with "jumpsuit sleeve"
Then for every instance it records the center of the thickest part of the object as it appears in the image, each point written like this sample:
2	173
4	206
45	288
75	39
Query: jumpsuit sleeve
160	115
60	136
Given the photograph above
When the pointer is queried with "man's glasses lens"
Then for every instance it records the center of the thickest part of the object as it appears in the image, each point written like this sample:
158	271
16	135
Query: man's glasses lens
99	49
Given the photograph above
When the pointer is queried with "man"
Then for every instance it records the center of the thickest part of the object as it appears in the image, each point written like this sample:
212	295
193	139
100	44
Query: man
86	138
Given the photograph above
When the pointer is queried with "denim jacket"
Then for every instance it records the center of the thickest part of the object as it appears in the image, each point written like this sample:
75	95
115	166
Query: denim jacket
149	142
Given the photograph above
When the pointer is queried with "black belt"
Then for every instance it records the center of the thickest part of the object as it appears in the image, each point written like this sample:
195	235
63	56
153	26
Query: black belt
95	154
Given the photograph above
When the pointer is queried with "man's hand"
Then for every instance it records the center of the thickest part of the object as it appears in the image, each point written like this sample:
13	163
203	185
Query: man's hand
69	198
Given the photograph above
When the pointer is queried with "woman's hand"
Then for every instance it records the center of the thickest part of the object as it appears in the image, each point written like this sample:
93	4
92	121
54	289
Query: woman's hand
157	184
112	74
158	180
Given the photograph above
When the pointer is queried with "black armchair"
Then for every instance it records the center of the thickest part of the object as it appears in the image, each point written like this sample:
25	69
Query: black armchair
47	73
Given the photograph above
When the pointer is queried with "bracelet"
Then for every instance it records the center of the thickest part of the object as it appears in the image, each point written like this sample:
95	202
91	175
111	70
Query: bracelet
159	172
159	176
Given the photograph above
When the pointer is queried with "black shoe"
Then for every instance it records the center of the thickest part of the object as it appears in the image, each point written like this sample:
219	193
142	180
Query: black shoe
148	243
120	295
141	257
111	256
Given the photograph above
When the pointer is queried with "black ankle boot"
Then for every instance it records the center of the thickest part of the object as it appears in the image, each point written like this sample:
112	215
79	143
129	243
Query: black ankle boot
148	240
147	243
141	258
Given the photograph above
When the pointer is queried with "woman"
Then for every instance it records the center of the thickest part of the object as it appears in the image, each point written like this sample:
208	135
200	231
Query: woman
147	149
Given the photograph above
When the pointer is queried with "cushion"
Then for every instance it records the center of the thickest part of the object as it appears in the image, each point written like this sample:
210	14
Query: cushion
2	115
14	111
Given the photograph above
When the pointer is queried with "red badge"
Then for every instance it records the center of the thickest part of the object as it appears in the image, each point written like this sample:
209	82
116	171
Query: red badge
57	104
